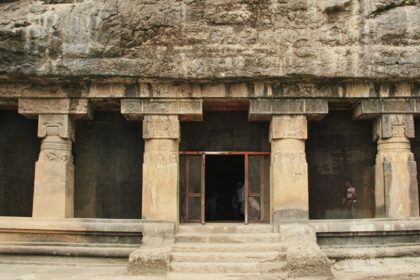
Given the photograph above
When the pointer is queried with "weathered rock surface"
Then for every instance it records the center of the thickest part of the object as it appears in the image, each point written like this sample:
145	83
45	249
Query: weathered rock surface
304	257
208	39
149	260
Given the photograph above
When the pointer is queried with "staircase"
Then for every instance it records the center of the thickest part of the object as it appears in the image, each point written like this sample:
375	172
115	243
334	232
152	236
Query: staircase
228	249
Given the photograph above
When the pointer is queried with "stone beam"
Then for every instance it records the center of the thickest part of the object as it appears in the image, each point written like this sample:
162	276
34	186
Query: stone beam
370	109
76	108
264	109
187	110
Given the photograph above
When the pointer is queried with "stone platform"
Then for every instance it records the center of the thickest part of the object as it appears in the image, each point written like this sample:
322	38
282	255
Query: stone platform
80	237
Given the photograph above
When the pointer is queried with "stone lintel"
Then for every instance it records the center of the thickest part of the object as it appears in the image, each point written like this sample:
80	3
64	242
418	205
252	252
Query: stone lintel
76	108
187	110
370	109
264	109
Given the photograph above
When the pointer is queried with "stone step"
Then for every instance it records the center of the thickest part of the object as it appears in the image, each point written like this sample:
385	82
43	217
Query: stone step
227	276
228	267
114	251
226	228
254	256
229	247
228	238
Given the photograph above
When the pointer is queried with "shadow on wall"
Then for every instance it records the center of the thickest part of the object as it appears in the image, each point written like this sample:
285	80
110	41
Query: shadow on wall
341	158
19	149
415	147
108	167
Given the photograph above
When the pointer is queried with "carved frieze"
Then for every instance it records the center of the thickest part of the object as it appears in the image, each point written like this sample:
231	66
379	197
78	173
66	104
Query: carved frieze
55	156
161	158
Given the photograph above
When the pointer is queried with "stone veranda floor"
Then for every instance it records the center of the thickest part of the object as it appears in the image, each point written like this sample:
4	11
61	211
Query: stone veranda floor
69	268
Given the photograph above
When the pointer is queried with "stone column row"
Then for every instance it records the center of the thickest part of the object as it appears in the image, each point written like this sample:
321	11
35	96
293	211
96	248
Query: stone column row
395	182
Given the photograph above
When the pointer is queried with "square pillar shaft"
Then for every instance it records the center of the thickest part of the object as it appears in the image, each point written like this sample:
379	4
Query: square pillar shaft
54	170
289	169
160	167
396	190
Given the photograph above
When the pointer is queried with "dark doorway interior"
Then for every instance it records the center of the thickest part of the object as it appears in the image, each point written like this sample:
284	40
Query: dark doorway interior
108	156
223	172
340	150
19	149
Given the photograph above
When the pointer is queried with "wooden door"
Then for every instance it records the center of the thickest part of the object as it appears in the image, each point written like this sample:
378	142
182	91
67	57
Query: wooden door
192	188
258	188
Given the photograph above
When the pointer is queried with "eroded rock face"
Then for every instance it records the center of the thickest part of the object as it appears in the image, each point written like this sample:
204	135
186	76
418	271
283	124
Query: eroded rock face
149	260
211	39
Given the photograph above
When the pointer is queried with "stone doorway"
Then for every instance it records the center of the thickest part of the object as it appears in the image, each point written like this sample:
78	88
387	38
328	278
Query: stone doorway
209	186
225	176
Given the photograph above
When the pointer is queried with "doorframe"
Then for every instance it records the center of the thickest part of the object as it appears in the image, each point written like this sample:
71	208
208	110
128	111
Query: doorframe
203	154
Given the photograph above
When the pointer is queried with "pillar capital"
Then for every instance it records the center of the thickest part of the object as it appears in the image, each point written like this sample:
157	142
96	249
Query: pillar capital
60	125
394	125
265	109
186	109
75	108
161	127
289	127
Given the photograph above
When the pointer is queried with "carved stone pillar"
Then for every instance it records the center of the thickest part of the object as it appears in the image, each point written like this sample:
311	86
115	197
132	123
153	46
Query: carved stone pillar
161	133
160	167
54	170
396	194
289	170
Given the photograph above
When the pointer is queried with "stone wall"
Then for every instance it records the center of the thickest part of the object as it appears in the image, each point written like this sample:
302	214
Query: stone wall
339	149
108	156
225	131
19	148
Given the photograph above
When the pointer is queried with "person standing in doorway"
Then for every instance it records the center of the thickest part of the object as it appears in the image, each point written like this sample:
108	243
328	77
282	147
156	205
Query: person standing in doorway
350	196
240	194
